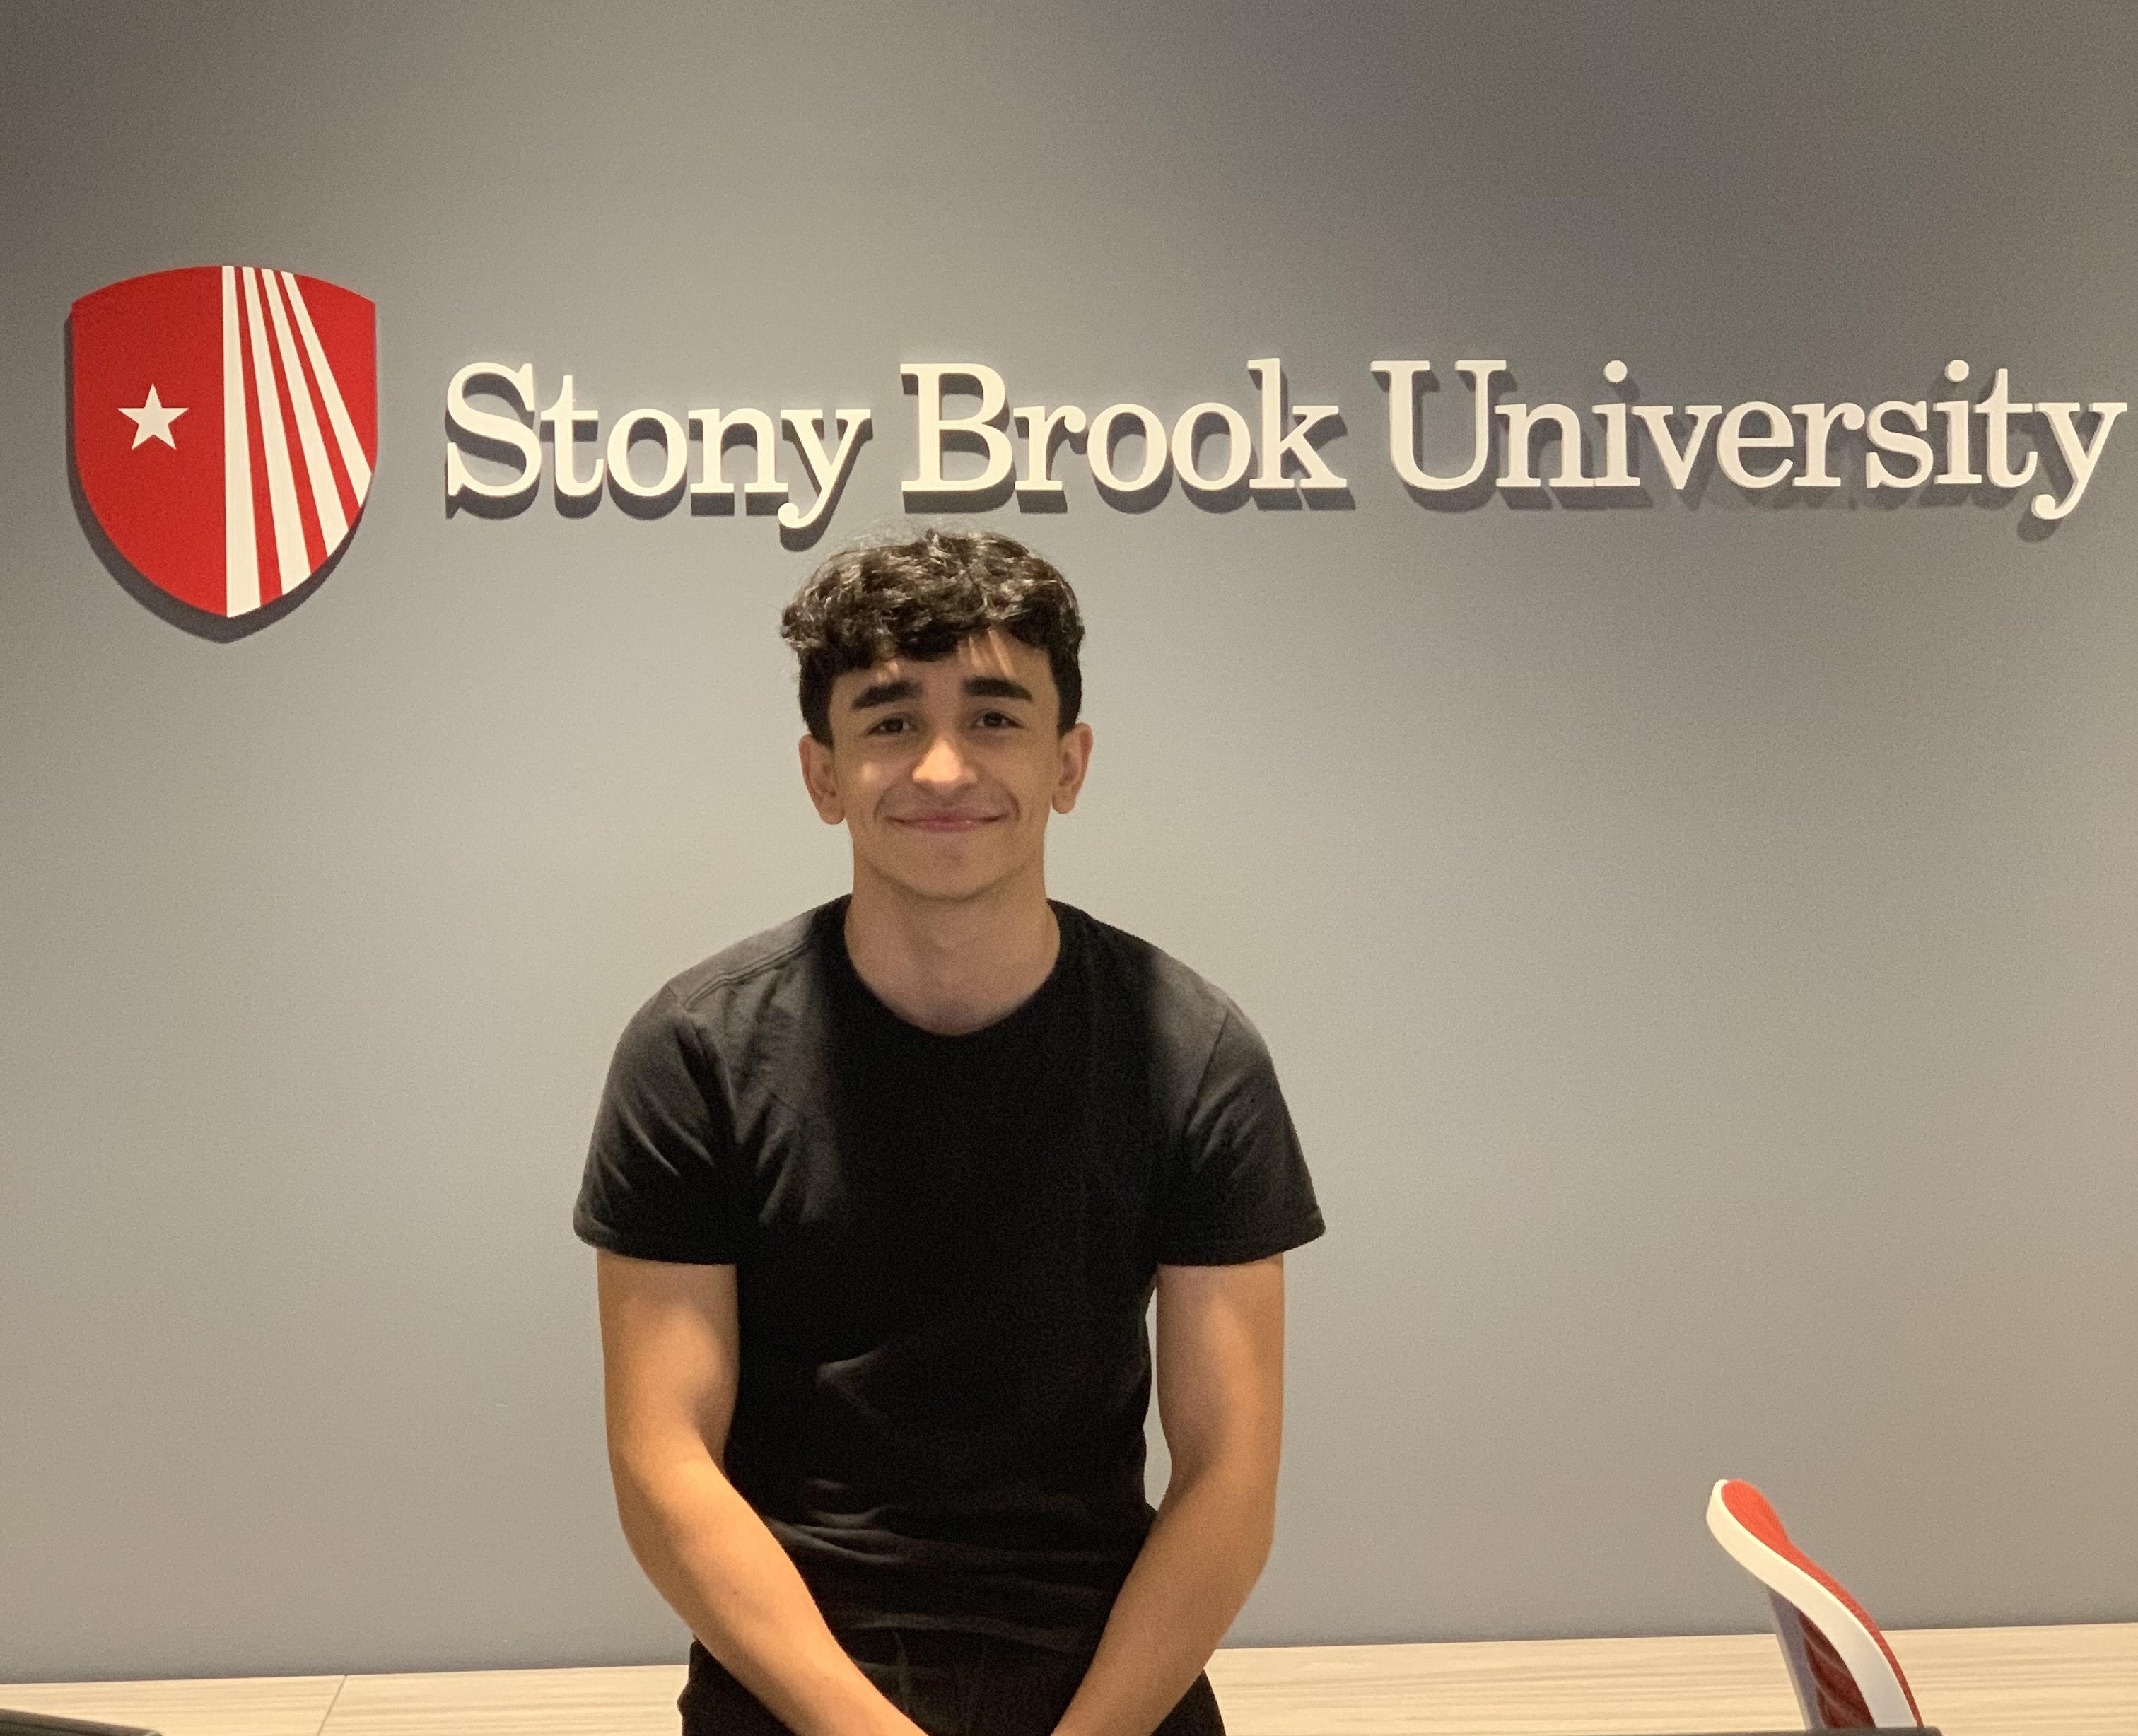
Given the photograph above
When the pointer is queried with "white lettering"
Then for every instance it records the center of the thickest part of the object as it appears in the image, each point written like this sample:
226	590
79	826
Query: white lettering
1819	422
935	427
1098	449
495	436
712	428
1239	450
1677	465
565	419
1732	442
2079	457
1888	438
1277	445
1955	411
826	471
1618	441
1040	423
506	431
1402	422
1996	412
675	449
1522	422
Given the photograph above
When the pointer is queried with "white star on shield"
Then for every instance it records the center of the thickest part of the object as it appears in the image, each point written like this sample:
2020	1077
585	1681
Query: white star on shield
153	420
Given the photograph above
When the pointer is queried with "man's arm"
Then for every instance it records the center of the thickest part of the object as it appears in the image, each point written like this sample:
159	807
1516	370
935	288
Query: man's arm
670	1359
1221	1401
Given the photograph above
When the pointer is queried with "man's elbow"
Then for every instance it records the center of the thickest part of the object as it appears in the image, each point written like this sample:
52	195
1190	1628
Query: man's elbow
1239	1491
653	1483
638	1503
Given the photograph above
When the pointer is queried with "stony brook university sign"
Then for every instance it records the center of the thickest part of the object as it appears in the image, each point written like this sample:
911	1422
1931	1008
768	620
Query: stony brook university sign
977	449
226	425
225	430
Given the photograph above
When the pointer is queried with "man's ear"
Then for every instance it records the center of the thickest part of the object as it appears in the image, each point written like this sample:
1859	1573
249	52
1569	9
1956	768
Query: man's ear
1073	761
822	782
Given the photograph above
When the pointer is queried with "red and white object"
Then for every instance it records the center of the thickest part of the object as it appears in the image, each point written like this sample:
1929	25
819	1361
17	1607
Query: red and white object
1845	1675
225	425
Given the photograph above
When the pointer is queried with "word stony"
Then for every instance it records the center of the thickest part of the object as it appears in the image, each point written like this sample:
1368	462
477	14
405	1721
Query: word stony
511	440
974	450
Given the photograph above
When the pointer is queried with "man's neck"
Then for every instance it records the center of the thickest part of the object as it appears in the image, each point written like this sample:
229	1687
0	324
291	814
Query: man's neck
951	967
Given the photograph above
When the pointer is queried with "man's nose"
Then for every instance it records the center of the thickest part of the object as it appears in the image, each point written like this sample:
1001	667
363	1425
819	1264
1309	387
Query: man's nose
943	766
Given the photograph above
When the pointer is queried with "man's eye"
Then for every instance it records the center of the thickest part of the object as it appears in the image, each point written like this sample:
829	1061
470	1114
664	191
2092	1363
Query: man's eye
997	720
887	726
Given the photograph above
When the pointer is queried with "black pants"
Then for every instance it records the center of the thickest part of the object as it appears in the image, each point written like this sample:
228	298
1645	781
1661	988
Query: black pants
950	1684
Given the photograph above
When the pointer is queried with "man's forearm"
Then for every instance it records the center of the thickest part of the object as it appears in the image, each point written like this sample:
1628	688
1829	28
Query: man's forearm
1203	1555
713	1559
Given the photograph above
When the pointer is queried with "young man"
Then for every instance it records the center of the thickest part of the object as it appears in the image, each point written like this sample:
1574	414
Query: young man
880	1197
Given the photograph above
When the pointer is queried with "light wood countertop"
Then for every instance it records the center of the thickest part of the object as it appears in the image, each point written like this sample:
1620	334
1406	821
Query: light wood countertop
2007	1681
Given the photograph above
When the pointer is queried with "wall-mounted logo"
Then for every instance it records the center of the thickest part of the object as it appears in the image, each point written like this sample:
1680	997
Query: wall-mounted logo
226	423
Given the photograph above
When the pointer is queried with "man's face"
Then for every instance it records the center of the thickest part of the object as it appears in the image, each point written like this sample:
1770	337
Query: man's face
943	773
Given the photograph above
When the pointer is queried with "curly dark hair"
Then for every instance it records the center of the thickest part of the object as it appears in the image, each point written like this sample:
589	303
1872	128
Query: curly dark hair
921	599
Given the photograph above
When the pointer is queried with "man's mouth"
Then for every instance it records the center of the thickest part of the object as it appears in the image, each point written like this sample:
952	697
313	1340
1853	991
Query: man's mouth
945	822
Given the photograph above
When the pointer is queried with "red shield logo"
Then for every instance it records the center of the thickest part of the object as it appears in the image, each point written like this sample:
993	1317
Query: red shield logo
226	423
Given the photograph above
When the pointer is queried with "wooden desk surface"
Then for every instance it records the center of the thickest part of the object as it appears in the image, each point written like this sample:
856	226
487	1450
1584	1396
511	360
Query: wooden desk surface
2008	1682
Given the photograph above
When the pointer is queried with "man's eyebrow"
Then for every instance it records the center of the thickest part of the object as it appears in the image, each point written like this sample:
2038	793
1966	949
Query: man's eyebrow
995	687
885	692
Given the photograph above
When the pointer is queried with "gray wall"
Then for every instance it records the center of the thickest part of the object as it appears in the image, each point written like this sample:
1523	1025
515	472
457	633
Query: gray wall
1699	942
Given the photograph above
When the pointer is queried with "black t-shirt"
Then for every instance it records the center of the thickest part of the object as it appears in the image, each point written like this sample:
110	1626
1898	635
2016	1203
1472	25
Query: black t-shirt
945	1248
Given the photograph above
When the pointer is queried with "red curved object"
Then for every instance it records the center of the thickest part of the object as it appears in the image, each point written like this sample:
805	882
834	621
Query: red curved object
1834	1693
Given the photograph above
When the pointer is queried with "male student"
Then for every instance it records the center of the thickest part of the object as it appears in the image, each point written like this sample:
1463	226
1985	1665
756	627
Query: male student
881	1198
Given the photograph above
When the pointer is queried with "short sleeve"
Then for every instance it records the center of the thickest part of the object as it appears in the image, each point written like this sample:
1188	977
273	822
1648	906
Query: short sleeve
659	1176
1239	1188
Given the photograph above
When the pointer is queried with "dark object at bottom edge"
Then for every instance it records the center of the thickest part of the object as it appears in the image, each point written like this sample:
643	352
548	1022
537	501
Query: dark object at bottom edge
39	1724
